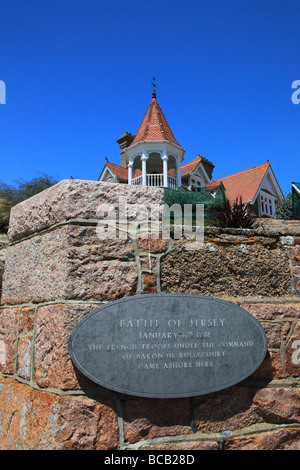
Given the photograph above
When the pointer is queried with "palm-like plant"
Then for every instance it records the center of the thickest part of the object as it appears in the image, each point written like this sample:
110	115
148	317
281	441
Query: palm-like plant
236	215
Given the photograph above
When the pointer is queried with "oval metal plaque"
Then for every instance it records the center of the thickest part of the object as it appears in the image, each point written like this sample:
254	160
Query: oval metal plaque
168	345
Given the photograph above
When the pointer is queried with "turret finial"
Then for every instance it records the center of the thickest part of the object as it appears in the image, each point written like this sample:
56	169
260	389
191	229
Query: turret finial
154	85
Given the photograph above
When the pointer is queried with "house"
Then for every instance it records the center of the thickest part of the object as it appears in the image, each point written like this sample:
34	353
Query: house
153	157
256	186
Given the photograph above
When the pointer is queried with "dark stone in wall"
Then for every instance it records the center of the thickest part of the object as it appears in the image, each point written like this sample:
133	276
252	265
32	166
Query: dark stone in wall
232	270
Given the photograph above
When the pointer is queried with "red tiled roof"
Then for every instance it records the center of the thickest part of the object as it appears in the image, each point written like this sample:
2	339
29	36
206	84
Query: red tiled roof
244	184
154	125
213	185
191	166
119	171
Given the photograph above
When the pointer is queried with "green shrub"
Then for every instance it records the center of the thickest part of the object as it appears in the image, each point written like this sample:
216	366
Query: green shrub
182	196
284	207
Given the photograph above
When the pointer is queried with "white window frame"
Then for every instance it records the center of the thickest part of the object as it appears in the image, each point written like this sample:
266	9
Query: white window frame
267	203
196	183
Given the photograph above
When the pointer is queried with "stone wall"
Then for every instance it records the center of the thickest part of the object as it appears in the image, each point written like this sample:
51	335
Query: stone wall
57	270
3	245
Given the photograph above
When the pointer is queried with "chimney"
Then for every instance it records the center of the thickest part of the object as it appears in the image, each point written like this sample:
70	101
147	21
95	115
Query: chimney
124	141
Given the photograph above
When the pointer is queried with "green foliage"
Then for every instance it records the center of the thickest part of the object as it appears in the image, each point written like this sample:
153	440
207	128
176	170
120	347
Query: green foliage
5	207
284	208
12	195
181	196
28	189
237	215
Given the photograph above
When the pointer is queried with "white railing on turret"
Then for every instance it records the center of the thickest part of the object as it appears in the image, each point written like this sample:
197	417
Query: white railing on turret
172	182
156	180
137	180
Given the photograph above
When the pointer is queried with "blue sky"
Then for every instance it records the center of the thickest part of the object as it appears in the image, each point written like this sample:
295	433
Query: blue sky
78	75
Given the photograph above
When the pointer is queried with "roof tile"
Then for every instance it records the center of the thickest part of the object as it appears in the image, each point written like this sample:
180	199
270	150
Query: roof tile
244	184
119	171
154	125
191	166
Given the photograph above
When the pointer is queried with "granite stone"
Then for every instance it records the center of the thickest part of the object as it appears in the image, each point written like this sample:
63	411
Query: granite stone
70	262
39	420
227	270
8	339
52	364
77	199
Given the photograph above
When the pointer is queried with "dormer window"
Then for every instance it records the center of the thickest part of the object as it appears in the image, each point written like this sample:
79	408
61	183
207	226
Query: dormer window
197	184
267	203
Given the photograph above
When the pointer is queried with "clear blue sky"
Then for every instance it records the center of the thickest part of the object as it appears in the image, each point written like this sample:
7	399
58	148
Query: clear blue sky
78	74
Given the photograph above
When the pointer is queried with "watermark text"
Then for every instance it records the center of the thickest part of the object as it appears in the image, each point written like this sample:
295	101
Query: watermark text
2	92
296	354
296	95
152	221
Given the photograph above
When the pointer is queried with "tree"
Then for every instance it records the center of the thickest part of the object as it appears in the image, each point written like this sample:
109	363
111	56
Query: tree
284	208
28	189
12	195
5	206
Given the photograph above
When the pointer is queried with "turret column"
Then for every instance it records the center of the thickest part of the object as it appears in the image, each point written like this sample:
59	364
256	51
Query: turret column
144	159
165	168
130	165
178	172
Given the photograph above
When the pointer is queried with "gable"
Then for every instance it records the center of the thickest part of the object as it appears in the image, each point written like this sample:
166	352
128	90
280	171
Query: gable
244	184
195	168
113	173
201	173
247	184
107	174
270	185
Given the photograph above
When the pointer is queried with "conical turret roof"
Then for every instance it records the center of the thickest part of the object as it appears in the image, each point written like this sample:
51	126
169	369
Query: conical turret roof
154	126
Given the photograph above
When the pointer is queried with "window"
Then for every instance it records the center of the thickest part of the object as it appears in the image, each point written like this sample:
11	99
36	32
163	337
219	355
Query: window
267	204
196	184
